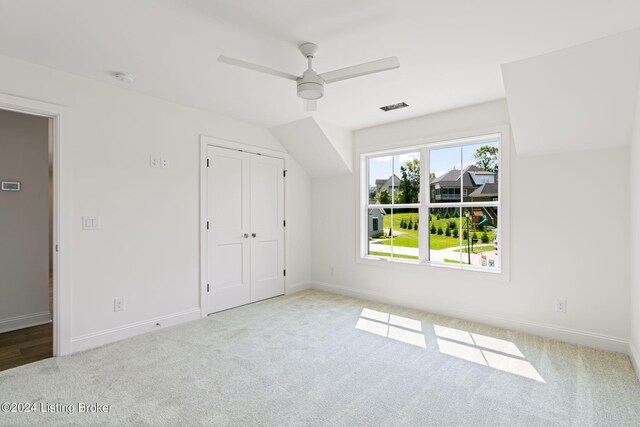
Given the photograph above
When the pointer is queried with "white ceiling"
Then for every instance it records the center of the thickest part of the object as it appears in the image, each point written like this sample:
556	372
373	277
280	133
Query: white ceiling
450	51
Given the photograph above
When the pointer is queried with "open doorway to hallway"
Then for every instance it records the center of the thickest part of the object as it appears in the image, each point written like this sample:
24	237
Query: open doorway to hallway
26	239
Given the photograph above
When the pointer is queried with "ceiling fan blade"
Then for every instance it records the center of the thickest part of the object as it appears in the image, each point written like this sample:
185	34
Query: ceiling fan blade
310	105
361	70
255	67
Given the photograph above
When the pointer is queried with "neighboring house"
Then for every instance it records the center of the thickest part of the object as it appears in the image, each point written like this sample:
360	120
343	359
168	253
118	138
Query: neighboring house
376	216
390	184
478	185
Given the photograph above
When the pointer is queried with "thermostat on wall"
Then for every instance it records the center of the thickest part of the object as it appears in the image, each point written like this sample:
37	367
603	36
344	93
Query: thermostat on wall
10	186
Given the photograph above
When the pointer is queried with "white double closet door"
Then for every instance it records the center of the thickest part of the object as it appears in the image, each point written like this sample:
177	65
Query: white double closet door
245	238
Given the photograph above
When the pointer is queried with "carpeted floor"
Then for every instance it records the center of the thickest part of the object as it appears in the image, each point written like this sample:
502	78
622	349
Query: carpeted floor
315	358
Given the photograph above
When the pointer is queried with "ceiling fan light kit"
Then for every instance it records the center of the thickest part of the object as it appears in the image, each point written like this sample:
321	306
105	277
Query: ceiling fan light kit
310	86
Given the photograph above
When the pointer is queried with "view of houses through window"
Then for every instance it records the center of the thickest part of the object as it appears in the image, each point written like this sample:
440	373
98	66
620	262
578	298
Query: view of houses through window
454	217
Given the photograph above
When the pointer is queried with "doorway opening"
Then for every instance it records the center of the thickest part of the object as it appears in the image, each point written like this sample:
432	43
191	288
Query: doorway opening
27	243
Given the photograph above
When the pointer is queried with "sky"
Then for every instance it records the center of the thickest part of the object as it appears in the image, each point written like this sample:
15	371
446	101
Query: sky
441	160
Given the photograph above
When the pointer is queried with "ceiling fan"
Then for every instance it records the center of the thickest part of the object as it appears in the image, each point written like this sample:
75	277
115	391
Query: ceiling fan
311	84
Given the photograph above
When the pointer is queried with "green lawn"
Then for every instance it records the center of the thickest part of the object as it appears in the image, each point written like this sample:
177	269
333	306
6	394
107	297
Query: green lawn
409	238
477	249
394	255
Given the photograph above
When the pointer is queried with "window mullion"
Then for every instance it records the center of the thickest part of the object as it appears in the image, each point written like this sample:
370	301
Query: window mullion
423	212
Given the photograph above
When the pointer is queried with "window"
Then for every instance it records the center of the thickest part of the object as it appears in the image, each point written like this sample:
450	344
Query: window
437	204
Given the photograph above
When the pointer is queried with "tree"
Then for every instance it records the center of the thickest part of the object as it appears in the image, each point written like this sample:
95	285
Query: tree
440	231
485	237
415	225
447	231
455	232
409	225
433	229
402	223
409	187
384	198
487	158
465	234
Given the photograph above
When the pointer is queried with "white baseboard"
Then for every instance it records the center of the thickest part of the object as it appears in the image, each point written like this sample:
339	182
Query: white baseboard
297	287
635	358
24	321
575	336
96	339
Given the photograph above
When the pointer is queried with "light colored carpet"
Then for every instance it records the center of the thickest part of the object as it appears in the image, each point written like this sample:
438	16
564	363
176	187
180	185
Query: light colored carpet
315	358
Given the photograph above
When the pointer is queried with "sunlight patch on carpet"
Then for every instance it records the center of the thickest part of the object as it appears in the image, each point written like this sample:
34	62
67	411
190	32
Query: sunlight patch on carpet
484	350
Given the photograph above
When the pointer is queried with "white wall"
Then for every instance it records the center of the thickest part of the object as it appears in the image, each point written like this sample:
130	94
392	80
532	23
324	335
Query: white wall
634	237
147	248
562	244
24	223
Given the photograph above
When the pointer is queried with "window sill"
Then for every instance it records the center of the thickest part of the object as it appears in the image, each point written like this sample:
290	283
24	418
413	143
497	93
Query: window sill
475	272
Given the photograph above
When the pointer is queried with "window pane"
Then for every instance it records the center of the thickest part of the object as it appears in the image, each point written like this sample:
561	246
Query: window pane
407	177
399	235
405	233
381	180
480	168
445	235
444	174
379	241
480	246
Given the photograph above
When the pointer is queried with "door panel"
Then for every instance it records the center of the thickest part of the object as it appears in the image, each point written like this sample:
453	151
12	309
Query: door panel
228	250
267	224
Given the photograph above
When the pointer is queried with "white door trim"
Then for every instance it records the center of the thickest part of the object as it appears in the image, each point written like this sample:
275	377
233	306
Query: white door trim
62	213
206	141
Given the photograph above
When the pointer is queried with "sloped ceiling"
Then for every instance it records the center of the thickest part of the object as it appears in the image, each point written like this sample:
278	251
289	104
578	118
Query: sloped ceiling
582	97
450	51
321	148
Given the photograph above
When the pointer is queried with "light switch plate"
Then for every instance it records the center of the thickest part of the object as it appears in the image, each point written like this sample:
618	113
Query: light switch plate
90	223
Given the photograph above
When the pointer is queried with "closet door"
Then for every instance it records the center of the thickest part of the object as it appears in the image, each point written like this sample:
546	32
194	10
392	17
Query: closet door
228	236
267	227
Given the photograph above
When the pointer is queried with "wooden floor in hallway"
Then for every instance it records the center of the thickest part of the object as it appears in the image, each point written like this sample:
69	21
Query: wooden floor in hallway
25	346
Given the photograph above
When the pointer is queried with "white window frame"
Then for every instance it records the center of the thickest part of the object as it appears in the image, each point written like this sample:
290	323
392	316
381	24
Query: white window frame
424	145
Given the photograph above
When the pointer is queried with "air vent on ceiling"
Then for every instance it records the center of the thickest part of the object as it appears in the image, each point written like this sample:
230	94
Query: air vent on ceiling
394	106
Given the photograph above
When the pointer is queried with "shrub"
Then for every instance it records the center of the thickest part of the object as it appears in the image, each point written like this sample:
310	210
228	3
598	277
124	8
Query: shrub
447	232
402	223
433	229
438	215
474	236
455	232
440	231
409	225
452	224
485	237
481	227
415	225
465	234
446	215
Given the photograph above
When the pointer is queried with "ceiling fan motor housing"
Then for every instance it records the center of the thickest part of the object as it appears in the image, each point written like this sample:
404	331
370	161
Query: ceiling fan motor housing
310	85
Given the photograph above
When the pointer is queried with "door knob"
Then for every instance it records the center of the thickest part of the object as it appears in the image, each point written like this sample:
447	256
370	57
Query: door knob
245	235
253	234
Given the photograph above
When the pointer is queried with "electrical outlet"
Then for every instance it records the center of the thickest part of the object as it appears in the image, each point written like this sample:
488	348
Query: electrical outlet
561	305
154	161
118	304
164	162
